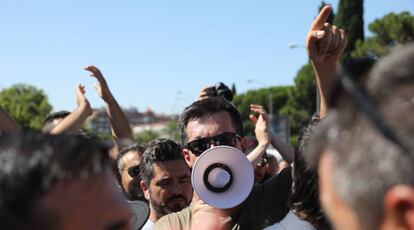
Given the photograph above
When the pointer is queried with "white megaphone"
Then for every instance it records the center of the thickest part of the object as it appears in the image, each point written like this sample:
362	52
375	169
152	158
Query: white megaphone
222	177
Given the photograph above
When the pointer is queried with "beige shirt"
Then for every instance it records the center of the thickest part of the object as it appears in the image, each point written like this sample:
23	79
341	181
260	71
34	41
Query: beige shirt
182	220
265	206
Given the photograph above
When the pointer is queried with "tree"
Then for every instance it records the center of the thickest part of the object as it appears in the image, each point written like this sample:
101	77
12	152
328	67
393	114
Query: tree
350	18
233	89
26	104
302	100
146	136
390	31
172	131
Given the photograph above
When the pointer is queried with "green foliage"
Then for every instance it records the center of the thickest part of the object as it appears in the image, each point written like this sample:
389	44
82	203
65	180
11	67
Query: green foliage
146	136
297	102
389	31
293	140
26	104
350	18
302	101
104	136
233	89
172	131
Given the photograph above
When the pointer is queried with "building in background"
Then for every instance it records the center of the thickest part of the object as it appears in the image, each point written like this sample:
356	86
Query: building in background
139	121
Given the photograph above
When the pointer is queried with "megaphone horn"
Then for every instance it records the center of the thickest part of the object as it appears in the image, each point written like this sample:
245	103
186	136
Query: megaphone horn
222	177
218	177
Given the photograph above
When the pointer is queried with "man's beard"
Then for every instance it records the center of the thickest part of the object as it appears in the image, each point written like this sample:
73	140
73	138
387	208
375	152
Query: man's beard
163	210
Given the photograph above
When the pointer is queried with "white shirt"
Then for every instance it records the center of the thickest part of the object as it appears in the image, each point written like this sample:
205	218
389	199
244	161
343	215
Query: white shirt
149	225
291	222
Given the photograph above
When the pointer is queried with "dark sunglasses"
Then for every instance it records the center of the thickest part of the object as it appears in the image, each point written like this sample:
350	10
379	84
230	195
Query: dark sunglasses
134	171
198	146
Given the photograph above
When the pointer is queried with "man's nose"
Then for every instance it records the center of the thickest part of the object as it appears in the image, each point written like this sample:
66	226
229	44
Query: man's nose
175	189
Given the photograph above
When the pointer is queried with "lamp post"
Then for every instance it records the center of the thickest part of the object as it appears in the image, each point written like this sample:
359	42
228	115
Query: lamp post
295	45
181	99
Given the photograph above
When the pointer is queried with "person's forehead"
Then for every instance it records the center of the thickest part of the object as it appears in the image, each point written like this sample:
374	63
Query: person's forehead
170	169
132	158
210	125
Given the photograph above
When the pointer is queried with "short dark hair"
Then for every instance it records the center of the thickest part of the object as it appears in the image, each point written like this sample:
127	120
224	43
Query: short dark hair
32	164
205	107
158	151
367	162
139	148
48	121
304	200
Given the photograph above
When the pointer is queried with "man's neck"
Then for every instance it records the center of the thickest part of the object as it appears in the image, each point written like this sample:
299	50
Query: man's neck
153	215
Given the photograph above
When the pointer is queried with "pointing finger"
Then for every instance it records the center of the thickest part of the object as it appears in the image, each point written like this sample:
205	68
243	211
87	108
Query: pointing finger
321	18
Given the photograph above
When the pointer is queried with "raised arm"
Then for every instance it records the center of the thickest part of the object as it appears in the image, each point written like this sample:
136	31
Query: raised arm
285	150
74	121
325	45
7	123
121	131
261	132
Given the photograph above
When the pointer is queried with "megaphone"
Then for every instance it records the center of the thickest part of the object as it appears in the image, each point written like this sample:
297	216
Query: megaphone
222	177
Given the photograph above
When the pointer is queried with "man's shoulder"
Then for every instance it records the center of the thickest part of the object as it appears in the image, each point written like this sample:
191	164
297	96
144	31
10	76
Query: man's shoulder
175	221
267	203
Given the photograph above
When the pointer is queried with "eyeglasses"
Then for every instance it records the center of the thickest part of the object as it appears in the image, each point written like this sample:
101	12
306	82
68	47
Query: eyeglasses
198	146
134	171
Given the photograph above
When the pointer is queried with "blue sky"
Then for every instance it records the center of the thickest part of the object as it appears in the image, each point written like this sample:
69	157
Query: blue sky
150	50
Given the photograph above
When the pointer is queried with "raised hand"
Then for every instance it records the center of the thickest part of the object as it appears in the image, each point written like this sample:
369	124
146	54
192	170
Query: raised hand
72	123
81	100
121	131
261	124
325	45
325	42
101	86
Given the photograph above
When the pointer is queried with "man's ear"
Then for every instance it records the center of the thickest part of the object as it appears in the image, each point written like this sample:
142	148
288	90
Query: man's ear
399	207
186	155
243	143
145	189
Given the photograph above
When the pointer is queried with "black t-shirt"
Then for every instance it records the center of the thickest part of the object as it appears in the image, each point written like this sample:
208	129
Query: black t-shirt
267	203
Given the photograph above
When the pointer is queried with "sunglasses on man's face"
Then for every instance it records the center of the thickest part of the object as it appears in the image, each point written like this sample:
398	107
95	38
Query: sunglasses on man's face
198	146
134	171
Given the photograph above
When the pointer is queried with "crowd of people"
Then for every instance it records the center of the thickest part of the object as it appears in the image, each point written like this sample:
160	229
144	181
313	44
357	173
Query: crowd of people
351	169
